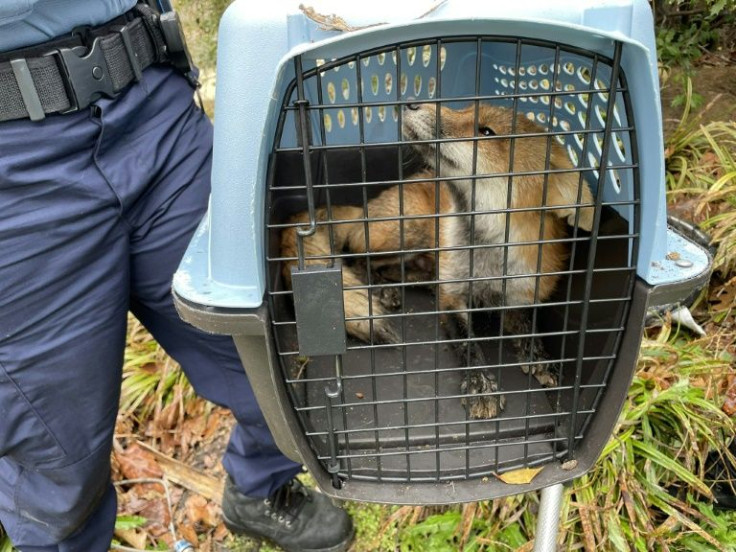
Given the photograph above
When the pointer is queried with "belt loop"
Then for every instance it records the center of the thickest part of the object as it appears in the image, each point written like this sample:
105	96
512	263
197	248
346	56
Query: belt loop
28	91
135	64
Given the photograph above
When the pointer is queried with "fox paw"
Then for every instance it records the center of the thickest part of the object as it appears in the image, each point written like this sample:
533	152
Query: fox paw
479	405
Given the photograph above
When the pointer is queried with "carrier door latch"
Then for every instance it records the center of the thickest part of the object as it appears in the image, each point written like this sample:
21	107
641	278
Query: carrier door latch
318	305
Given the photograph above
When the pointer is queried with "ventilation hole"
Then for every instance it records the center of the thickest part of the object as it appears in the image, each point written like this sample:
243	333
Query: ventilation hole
555	122
569	68
502	69
615	181
541	117
393	56
616	115
328	123
544	83
583	118
417	84
404	83
579	140
512	71
522	85
565	125
523	98
395	112
598	143
431	86
569	87
411	55
389	82
504	83
522	71
426	55
351	64
368	114
601	115
331	94
560	140
341	118
584	75
570	108
545	100
558	86
594	161
381	58
366	62
374	84
558	102
600	85
532	70
621	147
544	68
535	99
530	115
534	84
382	113
354	116
345	89
583	99
443	57
573	156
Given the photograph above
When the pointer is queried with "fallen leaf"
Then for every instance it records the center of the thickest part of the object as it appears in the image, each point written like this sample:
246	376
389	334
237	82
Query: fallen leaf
135	538
521	476
137	463
729	404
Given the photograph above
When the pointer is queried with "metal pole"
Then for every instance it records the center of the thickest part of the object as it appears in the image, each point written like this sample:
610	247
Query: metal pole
548	520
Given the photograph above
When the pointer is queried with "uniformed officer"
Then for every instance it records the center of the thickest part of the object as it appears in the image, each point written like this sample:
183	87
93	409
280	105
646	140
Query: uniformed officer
104	176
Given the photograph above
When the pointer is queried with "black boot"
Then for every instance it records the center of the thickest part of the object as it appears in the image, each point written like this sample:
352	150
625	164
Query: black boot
294	517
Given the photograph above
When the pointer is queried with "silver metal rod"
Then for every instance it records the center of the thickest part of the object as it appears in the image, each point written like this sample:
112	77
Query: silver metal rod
548	520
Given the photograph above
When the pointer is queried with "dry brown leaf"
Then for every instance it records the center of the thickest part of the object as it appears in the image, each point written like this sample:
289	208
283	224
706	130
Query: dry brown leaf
137	463
200	510
729	403
187	532
134	537
521	476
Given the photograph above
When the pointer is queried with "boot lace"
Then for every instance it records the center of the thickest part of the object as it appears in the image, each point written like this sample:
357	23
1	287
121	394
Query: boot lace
285	504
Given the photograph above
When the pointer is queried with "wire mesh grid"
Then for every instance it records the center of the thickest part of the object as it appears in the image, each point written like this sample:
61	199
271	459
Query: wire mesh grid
479	198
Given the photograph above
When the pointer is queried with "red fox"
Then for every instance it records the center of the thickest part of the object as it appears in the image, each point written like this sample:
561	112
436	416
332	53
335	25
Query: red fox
502	274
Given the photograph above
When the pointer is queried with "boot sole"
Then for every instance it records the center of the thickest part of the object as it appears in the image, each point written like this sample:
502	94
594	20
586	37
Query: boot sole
240	530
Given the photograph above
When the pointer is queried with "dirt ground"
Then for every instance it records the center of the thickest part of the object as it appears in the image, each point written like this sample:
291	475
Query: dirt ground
714	79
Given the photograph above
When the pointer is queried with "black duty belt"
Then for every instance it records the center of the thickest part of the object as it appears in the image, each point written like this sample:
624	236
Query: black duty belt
68	74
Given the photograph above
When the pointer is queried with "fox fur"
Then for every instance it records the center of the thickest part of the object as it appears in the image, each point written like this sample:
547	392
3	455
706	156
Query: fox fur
520	199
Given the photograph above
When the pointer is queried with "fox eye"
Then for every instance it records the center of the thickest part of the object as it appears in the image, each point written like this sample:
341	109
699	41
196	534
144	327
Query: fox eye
486	131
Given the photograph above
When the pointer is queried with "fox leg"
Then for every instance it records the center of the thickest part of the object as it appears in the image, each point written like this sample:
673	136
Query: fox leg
477	383
517	322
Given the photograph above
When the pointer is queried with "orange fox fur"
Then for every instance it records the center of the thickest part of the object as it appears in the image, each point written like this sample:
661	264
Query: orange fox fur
458	162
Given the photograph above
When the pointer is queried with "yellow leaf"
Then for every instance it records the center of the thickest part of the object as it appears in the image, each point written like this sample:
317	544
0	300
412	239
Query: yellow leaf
520	477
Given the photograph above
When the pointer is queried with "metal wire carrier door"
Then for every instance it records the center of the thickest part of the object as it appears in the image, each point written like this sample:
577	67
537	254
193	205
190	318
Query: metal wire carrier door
456	220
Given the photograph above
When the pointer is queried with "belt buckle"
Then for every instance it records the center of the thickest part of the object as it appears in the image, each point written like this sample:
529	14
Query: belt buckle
85	74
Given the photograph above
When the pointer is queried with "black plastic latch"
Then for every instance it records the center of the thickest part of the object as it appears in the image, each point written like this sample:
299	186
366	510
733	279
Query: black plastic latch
319	310
85	75
176	46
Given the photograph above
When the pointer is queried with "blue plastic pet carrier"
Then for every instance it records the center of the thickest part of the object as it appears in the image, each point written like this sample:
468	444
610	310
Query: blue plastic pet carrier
372	281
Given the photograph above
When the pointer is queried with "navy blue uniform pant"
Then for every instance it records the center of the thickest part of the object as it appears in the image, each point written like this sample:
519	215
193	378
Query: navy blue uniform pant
96	209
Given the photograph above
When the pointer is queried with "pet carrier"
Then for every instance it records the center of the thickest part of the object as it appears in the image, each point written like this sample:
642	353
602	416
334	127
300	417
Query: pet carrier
434	232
